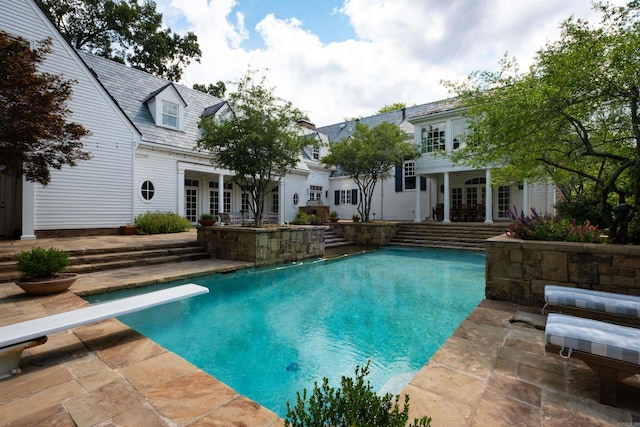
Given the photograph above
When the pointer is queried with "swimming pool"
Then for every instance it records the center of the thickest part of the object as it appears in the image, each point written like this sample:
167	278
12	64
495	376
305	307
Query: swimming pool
268	333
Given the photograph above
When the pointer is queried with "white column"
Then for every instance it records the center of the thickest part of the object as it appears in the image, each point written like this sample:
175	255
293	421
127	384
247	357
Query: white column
488	219
526	202
447	199
417	209
281	204
220	193
28	210
181	210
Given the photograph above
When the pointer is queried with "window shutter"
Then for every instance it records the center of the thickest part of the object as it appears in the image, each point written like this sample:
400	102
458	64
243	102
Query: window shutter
423	183
398	178
354	197
337	197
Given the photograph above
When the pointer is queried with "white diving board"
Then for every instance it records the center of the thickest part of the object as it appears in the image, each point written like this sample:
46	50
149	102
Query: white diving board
15	338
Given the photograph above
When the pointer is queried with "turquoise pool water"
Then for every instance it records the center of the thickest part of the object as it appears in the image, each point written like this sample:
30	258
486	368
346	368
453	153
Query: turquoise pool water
268	333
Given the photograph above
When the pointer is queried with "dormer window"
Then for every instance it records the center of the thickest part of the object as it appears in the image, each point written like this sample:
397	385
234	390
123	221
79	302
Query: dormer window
170	114
167	106
315	151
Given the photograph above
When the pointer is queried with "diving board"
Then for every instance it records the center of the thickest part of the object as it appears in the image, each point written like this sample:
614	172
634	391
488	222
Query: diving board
15	338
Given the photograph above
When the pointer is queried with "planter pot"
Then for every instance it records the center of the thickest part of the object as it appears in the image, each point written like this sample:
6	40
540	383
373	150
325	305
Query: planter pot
59	283
207	222
127	230
334	219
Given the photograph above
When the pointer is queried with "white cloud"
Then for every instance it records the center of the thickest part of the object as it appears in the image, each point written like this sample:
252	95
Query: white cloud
402	51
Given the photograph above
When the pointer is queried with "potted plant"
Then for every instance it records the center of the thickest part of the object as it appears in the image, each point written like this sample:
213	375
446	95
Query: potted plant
355	217
207	219
42	271
333	216
127	230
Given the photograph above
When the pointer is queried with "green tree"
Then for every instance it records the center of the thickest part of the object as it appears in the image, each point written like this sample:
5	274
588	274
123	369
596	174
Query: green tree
355	404
392	107
35	135
572	117
368	155
125	31
218	90
257	139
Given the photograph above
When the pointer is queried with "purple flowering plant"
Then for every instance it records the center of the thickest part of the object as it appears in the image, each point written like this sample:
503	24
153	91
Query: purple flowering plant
550	227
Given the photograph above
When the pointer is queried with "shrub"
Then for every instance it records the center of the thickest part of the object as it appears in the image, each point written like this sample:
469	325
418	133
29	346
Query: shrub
581	210
207	215
548	227
303	218
333	214
39	263
161	222
356	404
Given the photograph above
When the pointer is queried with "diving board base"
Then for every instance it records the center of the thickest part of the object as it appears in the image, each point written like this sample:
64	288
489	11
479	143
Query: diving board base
10	356
609	371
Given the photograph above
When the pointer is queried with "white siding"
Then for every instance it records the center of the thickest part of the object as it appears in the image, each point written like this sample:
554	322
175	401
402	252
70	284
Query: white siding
294	183
161	169
96	193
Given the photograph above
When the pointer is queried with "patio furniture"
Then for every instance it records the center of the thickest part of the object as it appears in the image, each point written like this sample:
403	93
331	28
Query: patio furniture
438	212
19	336
605	306
611	351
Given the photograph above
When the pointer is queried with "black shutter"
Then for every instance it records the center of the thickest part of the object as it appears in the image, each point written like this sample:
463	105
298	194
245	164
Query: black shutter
337	197
398	178
354	197
423	183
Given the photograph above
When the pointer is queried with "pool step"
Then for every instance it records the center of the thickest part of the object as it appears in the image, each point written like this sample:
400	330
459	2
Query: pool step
92	260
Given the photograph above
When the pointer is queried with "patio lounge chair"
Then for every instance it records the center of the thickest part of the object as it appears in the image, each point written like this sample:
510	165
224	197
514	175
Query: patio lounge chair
15	338
611	351
606	306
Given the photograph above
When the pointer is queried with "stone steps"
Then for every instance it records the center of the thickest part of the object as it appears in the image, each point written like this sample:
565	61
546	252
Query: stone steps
332	240
468	236
92	260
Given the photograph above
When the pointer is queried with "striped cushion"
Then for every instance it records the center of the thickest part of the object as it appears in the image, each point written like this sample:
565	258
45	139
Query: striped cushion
624	305
595	337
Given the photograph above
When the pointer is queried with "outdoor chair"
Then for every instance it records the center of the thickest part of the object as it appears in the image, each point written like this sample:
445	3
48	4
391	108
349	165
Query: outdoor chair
611	351
605	306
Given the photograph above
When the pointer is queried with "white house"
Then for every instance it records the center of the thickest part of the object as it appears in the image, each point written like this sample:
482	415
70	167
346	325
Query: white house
431	187
143	136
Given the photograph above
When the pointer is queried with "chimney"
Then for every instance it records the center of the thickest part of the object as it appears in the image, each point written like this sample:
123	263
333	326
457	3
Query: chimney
306	124
404	113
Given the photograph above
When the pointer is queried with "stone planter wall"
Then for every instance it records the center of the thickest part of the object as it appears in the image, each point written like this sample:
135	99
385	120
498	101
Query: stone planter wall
366	233
263	246
517	270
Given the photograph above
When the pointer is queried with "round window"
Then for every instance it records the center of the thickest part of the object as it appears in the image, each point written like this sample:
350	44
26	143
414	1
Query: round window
147	190
296	199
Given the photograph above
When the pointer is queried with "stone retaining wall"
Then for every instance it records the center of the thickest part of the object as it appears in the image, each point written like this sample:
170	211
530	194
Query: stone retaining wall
517	270
366	233
263	246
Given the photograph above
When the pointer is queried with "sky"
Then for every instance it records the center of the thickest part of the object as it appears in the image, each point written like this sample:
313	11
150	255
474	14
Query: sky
336	59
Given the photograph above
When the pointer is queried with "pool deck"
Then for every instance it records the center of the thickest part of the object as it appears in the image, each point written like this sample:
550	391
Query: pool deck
489	372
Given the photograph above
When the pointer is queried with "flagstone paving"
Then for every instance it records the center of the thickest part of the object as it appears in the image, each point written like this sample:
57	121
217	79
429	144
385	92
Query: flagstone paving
489	372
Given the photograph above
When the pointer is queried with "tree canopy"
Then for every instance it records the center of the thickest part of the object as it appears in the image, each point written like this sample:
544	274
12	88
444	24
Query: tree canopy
392	107
35	135
257	139
571	118
369	155
125	31
217	90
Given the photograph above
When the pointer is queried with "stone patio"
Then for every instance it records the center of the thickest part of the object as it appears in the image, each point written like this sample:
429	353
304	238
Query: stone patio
489	372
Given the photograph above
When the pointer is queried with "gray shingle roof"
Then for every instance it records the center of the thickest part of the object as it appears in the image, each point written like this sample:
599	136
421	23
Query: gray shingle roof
342	130
131	88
